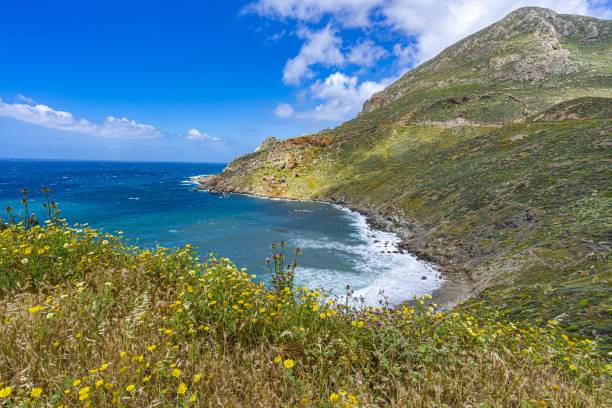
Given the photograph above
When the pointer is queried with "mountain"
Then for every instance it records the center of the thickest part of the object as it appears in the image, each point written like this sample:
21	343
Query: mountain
492	160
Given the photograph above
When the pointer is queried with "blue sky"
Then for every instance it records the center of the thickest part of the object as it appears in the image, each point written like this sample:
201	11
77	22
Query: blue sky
208	80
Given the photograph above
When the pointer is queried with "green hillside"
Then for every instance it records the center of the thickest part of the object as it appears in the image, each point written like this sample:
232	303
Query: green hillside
492	160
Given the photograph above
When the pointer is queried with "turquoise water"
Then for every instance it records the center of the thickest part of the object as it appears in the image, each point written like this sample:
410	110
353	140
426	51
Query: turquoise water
154	204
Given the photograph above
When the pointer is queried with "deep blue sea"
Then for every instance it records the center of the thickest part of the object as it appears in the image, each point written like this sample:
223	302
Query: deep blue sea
155	204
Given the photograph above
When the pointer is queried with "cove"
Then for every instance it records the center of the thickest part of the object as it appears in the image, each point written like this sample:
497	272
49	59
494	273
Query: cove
154	204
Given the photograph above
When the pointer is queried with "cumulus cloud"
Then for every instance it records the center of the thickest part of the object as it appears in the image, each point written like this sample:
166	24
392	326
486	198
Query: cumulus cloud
320	47
433	24
45	116
352	13
284	110
366	54
195	134
341	96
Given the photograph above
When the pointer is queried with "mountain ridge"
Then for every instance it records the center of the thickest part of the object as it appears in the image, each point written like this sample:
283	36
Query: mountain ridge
543	28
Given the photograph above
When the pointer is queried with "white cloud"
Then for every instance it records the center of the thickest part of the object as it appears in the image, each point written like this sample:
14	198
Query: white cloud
126	128
284	110
26	99
352	13
342	96
434	24
195	134
320	47
366	54
277	36
404	56
45	116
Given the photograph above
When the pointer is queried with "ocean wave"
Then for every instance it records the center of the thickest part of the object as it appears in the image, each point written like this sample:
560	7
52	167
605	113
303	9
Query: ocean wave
384	273
192	179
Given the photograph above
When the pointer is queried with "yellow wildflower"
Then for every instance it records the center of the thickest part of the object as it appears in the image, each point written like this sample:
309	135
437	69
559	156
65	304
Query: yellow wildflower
289	363
130	388
333	397
176	372
35	309
99	383
277	359
36	392
5	392
193	398
182	389
197	378
152	347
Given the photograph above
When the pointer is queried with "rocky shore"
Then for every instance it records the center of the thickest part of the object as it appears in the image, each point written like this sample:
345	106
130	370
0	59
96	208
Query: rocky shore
458	285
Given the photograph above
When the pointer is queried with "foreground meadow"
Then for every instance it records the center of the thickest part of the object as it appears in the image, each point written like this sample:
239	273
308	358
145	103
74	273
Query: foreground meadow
88	320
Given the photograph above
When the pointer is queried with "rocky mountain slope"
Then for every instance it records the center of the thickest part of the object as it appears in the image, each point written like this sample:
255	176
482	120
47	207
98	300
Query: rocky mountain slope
492	160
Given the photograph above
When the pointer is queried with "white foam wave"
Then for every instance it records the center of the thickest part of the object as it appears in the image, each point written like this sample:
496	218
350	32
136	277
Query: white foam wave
383	272
193	179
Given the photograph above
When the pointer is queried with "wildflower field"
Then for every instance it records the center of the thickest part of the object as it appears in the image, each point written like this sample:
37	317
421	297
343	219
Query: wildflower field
90	321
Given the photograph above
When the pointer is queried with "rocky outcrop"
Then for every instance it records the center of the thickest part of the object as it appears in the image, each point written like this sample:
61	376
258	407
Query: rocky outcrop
268	143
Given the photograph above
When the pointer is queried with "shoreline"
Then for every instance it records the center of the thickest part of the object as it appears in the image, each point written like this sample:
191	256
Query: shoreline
454	287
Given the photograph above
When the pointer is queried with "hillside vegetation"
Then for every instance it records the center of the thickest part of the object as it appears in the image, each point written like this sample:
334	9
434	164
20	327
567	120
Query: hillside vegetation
492	160
89	321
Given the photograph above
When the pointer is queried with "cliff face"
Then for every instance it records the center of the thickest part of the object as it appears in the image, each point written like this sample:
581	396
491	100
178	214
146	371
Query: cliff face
492	160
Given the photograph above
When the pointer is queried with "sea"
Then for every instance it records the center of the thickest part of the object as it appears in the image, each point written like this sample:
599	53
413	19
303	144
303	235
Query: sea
156	204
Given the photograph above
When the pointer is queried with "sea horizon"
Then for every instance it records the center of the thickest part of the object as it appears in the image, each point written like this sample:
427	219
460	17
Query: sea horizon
111	160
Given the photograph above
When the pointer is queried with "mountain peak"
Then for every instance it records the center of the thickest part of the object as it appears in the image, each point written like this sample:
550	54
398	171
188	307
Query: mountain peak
530	44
